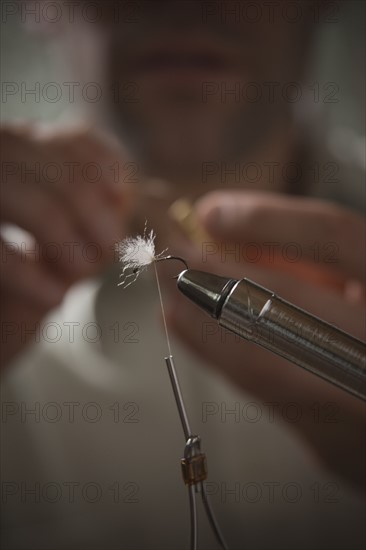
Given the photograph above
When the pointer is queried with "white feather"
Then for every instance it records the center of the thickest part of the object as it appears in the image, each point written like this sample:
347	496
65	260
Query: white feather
136	253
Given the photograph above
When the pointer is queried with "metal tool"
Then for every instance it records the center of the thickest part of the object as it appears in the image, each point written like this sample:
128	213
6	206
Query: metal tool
258	315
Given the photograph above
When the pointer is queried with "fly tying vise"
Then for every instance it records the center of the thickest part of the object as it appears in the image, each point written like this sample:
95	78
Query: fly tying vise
136	254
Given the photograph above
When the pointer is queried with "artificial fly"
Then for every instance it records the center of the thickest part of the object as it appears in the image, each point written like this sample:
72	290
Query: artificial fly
137	253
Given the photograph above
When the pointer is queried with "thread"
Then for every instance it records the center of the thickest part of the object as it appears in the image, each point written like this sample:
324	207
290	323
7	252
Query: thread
162	310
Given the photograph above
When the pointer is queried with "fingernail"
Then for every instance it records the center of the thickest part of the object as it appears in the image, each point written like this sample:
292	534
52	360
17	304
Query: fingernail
220	217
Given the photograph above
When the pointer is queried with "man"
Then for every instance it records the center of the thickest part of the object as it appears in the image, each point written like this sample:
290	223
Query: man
203	95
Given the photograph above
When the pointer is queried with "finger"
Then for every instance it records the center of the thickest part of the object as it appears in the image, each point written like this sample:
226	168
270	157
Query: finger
313	230
29	203
28	279
92	185
34	208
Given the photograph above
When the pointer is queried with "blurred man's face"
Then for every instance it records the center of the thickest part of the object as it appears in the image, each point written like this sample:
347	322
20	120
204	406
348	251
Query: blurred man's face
192	81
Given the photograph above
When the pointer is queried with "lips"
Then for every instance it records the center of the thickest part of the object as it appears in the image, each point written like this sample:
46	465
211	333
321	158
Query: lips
176	61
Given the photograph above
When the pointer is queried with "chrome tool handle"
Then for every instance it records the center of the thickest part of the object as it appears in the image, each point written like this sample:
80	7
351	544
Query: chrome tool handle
260	316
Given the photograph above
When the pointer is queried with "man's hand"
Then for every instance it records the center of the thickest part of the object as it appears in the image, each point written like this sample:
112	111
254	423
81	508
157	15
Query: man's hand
68	190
